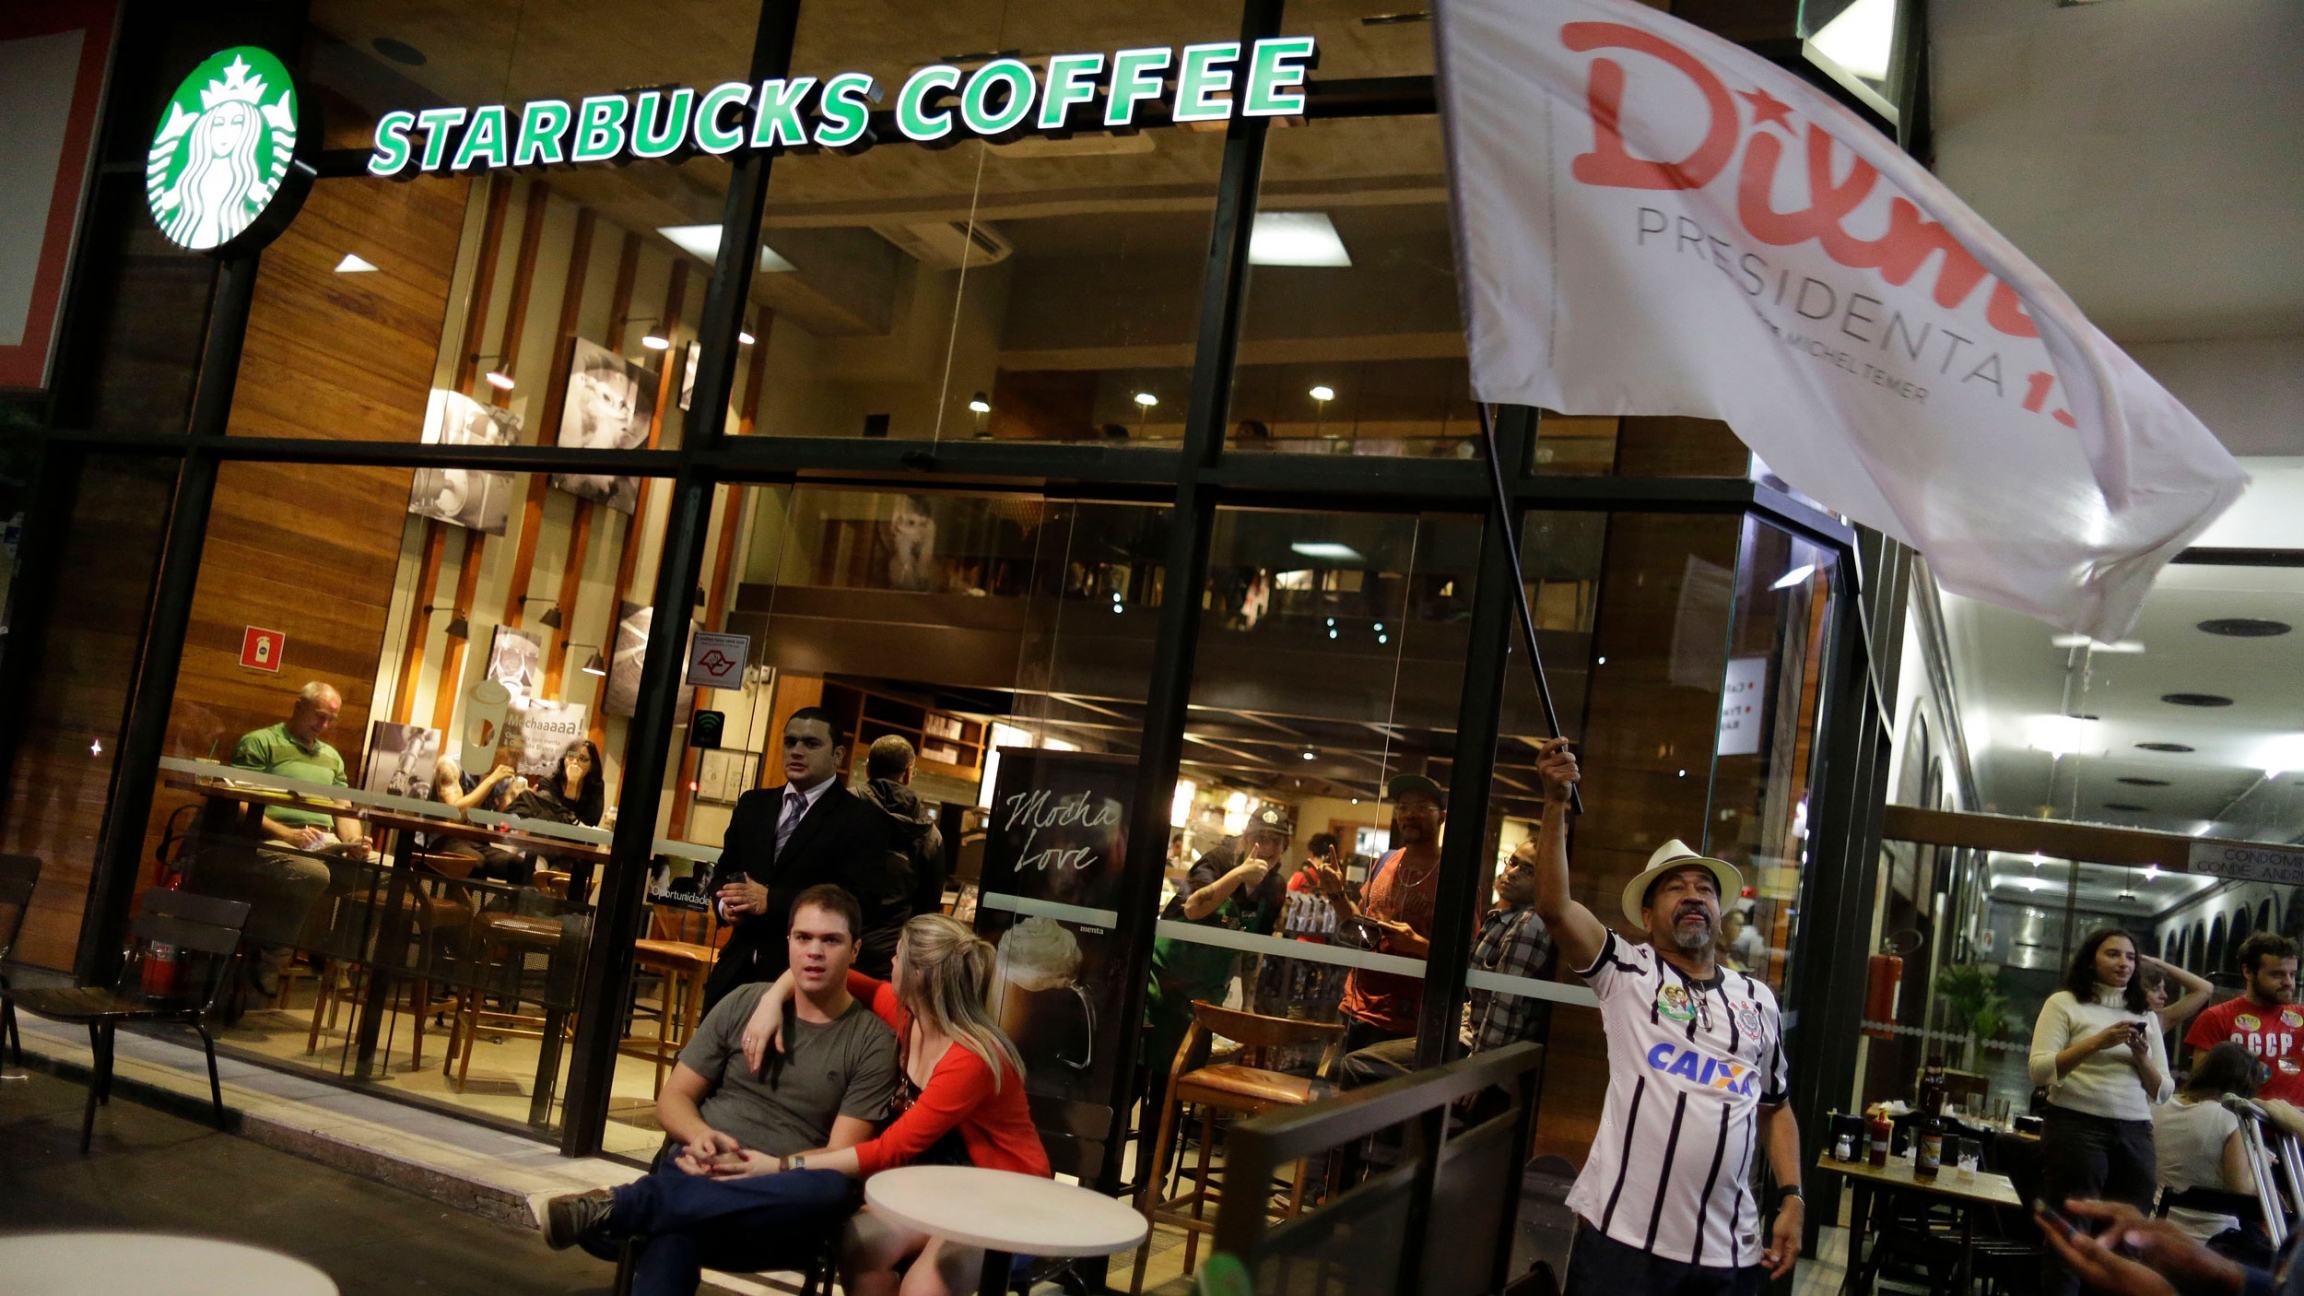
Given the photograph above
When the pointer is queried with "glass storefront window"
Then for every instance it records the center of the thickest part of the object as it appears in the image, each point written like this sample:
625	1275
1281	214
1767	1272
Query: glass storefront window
424	925
992	640
1044	289
563	302
1351	341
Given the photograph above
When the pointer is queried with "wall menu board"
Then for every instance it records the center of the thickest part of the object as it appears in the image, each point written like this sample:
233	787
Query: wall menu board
1056	871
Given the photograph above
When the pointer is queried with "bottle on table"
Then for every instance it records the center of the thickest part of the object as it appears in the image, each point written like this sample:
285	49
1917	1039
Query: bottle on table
1882	1131
1928	1145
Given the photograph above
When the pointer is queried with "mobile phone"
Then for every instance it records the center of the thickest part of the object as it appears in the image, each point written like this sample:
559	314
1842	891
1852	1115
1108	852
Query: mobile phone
2053	1218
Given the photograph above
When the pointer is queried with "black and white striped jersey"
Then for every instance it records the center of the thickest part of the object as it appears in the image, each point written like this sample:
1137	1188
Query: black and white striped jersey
1690	1063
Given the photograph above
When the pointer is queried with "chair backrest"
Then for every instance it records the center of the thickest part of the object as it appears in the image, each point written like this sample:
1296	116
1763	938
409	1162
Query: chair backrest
1262	1034
19	875
194	924
1073	1134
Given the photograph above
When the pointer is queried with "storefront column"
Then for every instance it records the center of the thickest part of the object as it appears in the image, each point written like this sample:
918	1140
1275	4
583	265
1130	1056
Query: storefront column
1845	808
145	736
1464	862
621	914
1168	696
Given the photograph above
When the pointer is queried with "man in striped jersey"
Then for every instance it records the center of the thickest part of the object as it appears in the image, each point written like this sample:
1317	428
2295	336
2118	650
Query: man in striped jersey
1666	1204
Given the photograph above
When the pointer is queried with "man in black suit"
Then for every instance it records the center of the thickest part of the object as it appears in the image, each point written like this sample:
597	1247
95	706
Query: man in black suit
783	840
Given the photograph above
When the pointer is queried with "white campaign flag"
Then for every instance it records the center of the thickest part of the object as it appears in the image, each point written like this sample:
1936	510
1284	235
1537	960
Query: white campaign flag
1651	220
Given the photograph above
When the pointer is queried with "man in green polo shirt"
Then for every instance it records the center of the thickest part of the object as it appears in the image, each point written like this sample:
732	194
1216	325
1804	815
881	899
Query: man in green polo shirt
282	883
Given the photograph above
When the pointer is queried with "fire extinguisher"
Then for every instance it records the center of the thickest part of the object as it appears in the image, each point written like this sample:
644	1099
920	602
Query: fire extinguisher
1885	982
163	967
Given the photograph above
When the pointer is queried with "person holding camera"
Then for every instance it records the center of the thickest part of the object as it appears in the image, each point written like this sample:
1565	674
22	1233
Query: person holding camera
2099	1051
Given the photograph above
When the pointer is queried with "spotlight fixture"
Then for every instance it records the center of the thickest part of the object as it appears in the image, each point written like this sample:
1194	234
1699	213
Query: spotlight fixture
1323	393
655	343
1146	399
458	626
593	665
1308	753
978	405
552	615
744	337
2196	699
2245	627
496	375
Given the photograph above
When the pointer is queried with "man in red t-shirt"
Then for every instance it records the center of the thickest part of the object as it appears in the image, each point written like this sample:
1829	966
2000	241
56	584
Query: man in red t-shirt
2264	1020
1393	915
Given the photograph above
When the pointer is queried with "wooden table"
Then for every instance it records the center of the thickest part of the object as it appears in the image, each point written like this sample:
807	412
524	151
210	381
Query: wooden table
1005	1213
101	1264
1967	1192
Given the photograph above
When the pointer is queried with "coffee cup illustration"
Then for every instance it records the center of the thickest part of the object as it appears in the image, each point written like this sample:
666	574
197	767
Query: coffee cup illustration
1035	983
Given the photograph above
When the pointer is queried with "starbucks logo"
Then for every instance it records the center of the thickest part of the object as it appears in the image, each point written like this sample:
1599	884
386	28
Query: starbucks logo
225	172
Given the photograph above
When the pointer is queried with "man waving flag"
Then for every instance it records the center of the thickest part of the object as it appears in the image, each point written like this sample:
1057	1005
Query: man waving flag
1651	220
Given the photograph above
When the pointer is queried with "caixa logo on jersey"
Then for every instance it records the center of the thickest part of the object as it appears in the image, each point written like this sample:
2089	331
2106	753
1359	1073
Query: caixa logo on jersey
1707	1071
1000	100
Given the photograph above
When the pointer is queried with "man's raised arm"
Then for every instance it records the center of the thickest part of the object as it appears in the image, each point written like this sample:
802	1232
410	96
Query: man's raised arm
1580	934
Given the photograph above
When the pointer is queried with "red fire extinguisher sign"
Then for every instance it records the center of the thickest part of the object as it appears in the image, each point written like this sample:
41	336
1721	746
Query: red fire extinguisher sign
260	649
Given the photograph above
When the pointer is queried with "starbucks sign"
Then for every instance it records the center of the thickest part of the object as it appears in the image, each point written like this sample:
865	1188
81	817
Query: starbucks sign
231	161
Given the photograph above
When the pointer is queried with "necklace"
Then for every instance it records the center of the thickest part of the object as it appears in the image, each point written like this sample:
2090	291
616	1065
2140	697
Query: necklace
1400	875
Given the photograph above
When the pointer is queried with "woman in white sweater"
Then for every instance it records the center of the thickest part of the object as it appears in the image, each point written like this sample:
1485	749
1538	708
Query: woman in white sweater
2098	1050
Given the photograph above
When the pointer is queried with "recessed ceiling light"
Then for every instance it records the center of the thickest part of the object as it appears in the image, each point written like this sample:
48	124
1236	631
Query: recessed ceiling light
1296	239
2164	747
2060	735
399	51
1328	549
704	241
354	263
2245	627
2196	699
2145	782
2126	807
2095	645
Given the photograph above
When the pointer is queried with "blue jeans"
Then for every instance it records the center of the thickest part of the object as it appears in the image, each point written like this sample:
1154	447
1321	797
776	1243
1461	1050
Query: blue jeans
687	1224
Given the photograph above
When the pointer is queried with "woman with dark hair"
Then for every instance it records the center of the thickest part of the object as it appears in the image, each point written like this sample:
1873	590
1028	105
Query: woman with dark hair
573	793
2098	1049
2200	1147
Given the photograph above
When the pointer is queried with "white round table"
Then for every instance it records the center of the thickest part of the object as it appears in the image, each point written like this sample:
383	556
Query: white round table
1005	1213
101	1264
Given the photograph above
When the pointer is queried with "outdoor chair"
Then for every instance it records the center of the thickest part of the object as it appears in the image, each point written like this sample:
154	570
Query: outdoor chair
192	924
1235	1085
19	874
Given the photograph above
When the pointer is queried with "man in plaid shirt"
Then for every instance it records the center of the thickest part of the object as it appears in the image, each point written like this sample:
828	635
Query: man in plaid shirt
1512	942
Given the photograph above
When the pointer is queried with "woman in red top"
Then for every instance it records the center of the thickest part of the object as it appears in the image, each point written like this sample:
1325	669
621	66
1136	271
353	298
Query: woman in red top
967	1107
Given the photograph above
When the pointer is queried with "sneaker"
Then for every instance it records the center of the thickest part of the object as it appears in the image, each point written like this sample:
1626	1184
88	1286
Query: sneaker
576	1217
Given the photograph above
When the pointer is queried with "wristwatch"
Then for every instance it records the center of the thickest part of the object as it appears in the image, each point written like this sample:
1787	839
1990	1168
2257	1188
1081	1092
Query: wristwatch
1787	1190
796	1163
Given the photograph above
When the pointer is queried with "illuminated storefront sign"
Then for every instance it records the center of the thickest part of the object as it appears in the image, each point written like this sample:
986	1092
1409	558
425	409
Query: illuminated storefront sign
230	162
1003	99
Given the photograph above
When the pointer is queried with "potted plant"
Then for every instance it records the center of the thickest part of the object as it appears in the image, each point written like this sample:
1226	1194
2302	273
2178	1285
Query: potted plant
1979	1011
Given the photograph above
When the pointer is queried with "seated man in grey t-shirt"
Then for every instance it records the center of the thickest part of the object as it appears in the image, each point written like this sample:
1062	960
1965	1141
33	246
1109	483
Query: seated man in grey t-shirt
731	1190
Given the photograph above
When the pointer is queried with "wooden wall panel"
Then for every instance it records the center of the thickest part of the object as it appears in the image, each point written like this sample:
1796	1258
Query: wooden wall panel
349	356
63	775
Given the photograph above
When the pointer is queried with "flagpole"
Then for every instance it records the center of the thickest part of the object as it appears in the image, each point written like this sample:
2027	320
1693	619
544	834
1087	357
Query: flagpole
1520	586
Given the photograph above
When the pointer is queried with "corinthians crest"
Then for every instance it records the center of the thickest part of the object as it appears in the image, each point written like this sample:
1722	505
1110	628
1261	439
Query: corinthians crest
229	166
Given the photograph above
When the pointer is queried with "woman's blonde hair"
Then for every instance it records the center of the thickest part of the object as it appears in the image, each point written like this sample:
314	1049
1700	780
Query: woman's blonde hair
947	969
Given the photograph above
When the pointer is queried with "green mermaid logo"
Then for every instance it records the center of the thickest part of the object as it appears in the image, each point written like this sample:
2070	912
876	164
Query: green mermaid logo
220	158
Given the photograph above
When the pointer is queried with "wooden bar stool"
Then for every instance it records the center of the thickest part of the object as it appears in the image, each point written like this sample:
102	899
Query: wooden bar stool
1235	1085
431	918
681	948
499	939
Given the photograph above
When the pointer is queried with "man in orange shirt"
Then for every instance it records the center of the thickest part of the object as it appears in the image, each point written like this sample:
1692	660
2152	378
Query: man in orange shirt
1394	916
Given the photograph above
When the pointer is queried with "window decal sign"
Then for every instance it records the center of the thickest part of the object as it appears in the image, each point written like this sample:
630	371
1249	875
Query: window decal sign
232	159
938	105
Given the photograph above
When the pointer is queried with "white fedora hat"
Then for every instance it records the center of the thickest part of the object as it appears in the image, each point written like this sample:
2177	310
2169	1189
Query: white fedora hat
1669	856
